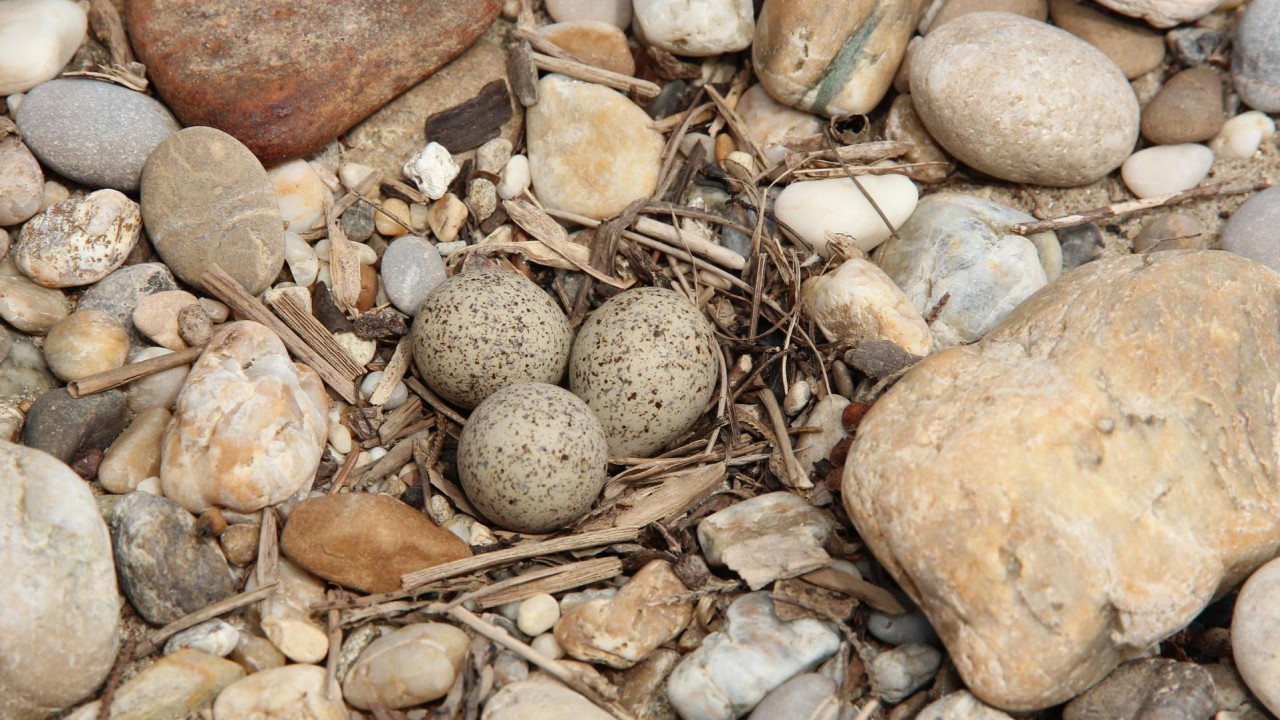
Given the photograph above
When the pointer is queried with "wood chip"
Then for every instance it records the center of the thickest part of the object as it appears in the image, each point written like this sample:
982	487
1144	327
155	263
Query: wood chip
598	75
394	372
795	598
472	122
522	73
523	551
541	225
434	400
554	579
400	418
128	373
879	358
344	264
309	328
672	496
877	597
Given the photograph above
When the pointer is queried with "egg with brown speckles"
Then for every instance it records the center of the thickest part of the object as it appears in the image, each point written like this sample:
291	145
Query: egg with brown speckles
532	457
645	363
480	331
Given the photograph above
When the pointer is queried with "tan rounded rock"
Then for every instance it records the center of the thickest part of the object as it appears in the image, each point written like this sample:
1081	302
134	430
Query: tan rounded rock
1023	101
249	427
622	630
1163	13
772	123
903	124
27	306
1132	45
79	241
540	699
1175	231
286	616
21	182
409	666
156	316
86	343
593	41
952	9
240	543
858	302
1188	109
292	692
134	456
1045	488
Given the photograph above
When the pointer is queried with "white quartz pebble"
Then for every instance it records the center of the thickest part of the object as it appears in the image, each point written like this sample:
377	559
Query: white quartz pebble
1241	135
698	29
214	637
1255	634
614	12
1166	169
537	614
811	209
515	178
301	193
301	258
37	38
547	645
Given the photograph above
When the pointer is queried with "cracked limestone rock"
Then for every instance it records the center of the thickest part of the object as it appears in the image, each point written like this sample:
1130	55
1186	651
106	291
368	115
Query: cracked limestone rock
1086	478
622	630
859	302
249	427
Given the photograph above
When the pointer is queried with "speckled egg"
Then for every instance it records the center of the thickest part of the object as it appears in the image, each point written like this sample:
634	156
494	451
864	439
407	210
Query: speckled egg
532	457
645	363
481	331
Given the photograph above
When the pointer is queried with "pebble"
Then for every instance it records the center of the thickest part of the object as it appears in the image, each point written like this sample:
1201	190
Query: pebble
166	569
960	705
39	37
301	259
797	397
206	200
1133	46
21	182
27	306
773	124
399	394
1175	231
645	362
734	668
292	692
711	27
1023	101
591	150
1188	109
532	458
357	222
494	154
897	673
1146	690
614	12
85	343
547	644
826	415
904	125
1255	628
409	666
135	454
393	219
1249	230
366	542
286	617
432	170
156	316
540	699
623	630
256	654
61	603
858	302
812	209
240	543
119	292
779	529
64	426
912	628
1166	169
515	179
23	372
301	194
78	241
213	637
807	696
605	45
1255	56
1034	9
294	88
1242	135
832	63
95	133
467	344
1074	376
175	686
961	245
446	217
251	414
537	615
158	390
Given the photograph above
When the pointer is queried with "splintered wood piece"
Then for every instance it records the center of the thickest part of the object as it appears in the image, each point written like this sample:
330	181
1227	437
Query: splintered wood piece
344	263
539	224
874	595
795	475
108	28
434	400
267	569
1132	206
235	602
472	122
593	74
400	418
394	372
397	457
128	373
736	125
523	73
523	551
674	494
295	315
554	579
226	289
685	242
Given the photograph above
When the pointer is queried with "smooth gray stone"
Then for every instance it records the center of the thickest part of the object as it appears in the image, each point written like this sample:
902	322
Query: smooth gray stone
1251	229
96	133
1255	56
118	293
411	268
23	371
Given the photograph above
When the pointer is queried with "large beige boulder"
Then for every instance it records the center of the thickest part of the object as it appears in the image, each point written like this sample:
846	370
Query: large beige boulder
1081	482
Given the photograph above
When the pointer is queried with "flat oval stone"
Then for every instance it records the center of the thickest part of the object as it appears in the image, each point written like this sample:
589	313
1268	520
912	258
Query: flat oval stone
1023	101
596	42
292	692
79	241
21	183
167	570
58	631
27	306
1255	632
96	133
412	665
813	208
1034	9
38	37
85	343
206	200
1250	231
709	27
176	685
1134	47
411	268
1188	109
285	77
1255	56
1166	169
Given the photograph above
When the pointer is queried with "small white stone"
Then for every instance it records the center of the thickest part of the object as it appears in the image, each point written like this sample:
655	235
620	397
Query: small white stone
826	414
813	208
432	169
903	670
214	637
797	397
1166	169
13	102
352	174
360	350
150	485
961	705
292	692
1255	634
301	193
287	619
697	29
78	242
1241	135
366	254
614	12
37	38
339	438
515	178
448	248
538	614
547	645
859	302
304	265
493	155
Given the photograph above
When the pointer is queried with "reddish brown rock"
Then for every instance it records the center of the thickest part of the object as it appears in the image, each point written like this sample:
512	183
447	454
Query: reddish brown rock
286	77
366	541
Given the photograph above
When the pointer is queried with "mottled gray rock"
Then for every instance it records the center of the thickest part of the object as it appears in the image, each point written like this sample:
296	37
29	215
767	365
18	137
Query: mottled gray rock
23	371
118	293
357	222
58	631
961	246
207	200
1255	56
1251	229
78	241
411	268
902	629
897	673
1152	689
167	570
808	696
64	426
95	133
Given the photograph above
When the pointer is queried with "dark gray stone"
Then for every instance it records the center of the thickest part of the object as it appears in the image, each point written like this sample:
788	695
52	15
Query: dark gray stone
1255	56
95	133
807	696
357	221
1151	689
1081	244
166	569
1192	46
64	426
118	293
1250	231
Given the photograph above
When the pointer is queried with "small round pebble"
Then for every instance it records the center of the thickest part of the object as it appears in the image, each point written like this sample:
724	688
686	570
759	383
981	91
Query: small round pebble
1175	231
1255	56
21	183
409	666
1166	169
902	629
86	343
537	614
811	696
1188	109
532	457
1241	135
301	194
411	268
547	645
